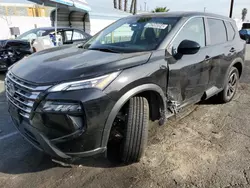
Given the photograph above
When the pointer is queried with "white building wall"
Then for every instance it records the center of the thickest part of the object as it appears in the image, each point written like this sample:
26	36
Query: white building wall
24	23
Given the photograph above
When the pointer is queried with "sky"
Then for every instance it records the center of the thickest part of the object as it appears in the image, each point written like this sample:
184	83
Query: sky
215	6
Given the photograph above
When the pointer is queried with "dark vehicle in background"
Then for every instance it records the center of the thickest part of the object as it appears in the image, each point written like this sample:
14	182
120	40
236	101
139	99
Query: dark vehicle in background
12	51
78	101
245	35
246	26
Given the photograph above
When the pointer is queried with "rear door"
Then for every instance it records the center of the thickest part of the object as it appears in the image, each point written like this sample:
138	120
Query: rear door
220	50
188	74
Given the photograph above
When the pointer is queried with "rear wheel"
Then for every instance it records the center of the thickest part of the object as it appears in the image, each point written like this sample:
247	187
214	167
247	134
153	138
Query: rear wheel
231	86
130	130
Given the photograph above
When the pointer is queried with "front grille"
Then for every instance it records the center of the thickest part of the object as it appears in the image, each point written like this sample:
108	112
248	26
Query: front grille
22	94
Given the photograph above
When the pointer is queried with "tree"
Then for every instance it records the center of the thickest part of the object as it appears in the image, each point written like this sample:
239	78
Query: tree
7	19
120	4
244	13
125	5
115	4
133	7
160	9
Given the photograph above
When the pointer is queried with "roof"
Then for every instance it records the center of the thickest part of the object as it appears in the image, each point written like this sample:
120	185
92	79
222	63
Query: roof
185	14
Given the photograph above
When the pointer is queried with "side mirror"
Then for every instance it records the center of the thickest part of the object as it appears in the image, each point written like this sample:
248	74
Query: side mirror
188	47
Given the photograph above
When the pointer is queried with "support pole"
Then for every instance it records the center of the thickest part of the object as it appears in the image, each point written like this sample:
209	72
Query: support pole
231	9
56	26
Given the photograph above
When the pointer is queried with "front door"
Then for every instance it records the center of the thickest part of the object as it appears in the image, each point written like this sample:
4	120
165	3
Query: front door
188	74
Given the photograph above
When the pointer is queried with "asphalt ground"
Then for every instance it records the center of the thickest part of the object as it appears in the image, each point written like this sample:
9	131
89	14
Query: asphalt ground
210	147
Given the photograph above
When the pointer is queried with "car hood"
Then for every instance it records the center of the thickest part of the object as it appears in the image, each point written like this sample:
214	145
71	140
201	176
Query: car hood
70	63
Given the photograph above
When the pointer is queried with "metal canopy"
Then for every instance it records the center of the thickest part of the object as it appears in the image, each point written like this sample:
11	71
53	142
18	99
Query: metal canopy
78	4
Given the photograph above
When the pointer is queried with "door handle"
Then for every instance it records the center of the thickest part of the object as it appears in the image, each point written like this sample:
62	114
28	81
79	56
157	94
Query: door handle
232	50
207	58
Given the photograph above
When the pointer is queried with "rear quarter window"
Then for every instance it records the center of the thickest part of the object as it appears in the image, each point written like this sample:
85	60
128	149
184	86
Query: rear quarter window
230	31
217	29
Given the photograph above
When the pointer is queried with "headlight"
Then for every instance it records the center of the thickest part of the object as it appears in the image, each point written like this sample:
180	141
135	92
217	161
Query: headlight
99	82
53	106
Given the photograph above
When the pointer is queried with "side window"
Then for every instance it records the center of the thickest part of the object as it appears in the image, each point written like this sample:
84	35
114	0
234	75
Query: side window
68	35
30	36
230	31
194	30
217	31
77	35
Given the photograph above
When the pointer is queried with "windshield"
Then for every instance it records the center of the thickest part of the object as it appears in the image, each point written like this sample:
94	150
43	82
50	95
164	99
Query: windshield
32	34
133	34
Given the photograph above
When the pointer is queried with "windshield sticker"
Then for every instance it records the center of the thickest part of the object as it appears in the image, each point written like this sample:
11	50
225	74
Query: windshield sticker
156	25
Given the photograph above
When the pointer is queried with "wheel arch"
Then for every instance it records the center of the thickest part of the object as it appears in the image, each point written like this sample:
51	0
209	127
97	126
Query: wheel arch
145	90
237	63
239	66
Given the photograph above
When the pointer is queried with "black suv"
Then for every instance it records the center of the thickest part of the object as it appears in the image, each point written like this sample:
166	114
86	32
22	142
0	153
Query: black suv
76	101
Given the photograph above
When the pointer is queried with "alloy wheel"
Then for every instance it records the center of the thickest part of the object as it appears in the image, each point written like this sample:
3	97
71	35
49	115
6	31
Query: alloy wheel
232	85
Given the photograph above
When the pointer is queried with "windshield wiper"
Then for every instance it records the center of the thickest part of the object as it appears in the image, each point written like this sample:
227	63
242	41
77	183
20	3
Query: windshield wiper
104	50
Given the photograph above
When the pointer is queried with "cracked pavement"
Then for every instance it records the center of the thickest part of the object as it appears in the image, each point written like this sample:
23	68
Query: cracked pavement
210	147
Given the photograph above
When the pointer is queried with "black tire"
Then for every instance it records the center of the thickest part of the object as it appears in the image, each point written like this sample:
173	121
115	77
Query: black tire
136	130
230	87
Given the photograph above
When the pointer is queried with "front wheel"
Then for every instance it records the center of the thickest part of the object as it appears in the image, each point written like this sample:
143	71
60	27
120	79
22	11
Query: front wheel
136	130
231	86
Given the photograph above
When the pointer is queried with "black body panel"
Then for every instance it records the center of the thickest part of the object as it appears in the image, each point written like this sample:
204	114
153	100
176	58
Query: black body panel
74	63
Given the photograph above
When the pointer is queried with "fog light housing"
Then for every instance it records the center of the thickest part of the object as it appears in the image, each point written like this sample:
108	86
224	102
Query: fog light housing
54	106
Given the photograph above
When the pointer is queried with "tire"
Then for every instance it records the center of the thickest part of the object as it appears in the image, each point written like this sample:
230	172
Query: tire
231	85
136	130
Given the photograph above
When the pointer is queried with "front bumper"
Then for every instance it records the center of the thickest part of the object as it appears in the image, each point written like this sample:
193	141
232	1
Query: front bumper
42	143
49	133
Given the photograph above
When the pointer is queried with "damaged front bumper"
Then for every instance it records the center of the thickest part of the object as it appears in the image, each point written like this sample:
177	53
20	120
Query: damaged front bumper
42	143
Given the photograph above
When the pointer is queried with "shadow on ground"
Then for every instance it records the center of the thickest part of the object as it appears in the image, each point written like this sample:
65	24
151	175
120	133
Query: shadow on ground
29	159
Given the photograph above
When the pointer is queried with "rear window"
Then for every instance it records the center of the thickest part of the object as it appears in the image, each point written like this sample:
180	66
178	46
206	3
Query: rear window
230	31
217	30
